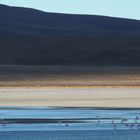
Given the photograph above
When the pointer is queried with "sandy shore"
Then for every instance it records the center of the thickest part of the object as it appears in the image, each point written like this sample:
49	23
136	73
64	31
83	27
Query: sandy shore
71	97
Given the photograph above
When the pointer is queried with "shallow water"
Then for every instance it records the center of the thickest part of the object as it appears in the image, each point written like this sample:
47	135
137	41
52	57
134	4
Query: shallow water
44	118
41	123
72	135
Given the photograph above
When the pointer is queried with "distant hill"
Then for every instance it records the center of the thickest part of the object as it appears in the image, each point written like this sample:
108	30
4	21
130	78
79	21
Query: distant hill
33	37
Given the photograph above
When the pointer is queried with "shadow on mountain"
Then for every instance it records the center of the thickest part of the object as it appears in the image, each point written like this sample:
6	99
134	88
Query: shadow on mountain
33	37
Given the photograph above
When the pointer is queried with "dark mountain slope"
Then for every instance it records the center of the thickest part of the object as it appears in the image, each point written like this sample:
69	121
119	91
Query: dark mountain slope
33	37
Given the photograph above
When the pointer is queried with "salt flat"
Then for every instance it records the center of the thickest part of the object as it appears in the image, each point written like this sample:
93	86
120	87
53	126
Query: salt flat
71	97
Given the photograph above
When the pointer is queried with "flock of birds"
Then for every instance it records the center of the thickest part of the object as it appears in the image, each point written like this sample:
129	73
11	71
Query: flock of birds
135	122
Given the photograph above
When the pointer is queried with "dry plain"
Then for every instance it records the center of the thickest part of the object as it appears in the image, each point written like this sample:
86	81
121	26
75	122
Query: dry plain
70	86
71	97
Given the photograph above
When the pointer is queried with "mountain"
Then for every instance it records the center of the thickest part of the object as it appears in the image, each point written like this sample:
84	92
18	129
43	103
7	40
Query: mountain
33	37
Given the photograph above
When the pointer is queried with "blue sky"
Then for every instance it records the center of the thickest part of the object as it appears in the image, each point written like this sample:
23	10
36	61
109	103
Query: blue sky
116	8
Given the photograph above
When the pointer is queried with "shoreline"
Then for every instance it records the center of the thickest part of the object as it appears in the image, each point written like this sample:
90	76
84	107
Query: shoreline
116	87
18	76
71	97
71	86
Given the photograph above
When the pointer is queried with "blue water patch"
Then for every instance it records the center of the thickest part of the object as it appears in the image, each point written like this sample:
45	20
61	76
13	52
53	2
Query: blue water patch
72	135
46	118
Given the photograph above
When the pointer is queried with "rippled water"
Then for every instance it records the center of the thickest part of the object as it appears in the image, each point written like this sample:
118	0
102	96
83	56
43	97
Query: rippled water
44	118
71	135
62	123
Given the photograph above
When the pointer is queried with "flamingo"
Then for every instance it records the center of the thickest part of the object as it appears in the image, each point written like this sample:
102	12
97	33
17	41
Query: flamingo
138	126
124	120
66	124
113	124
3	123
59	122
127	124
136	119
98	118
131	125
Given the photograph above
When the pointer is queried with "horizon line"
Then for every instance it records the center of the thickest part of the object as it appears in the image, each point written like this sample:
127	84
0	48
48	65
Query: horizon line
68	13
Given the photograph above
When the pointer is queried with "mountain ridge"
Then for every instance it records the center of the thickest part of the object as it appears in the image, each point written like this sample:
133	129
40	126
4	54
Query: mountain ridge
53	20
33	37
